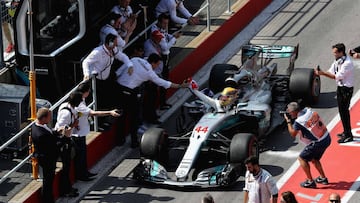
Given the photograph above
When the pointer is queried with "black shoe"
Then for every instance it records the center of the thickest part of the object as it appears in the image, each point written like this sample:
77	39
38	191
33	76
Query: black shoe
134	144
345	139
340	135
321	180
89	174
308	184
71	194
86	179
165	107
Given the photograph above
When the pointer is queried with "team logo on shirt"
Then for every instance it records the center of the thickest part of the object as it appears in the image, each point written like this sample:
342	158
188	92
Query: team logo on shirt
130	70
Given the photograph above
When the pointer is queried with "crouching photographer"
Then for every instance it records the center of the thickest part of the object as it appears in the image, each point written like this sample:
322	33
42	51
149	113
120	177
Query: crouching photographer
314	134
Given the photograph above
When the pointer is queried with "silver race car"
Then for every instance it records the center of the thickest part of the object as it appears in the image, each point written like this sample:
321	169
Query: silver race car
227	120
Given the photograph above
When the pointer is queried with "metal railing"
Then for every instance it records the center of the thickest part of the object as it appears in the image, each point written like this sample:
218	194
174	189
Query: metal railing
93	103
26	129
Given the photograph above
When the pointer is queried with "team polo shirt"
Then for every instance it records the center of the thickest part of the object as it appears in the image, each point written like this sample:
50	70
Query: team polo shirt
310	126
343	71
108	29
260	187
83	112
99	61
124	12
167	42
170	7
141	72
150	47
64	116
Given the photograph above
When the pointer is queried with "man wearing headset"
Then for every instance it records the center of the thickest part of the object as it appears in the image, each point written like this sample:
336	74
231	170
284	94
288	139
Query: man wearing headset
342	71
99	63
112	27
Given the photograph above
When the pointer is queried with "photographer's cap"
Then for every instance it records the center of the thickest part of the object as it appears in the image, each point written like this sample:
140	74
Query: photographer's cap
293	106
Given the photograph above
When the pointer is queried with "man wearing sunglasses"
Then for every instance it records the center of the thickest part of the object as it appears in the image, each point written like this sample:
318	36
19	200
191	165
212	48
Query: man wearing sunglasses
334	198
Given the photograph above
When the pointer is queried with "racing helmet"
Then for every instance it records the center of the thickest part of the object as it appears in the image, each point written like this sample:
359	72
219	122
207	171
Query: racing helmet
228	96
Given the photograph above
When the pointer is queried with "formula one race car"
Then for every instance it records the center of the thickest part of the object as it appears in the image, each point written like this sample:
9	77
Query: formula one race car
228	124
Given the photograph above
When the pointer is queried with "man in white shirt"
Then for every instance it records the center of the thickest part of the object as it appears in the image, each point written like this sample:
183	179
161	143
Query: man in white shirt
99	62
67	118
152	46
128	18
171	7
79	134
167	41
342	71
112	27
129	80
260	186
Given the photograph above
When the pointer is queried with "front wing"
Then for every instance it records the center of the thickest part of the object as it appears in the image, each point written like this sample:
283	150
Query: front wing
222	175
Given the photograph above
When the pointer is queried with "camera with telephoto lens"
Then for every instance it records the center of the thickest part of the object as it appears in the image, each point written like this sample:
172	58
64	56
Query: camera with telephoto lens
282	113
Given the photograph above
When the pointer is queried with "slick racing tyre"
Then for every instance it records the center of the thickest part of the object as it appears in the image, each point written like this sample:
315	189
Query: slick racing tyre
242	146
305	85
153	144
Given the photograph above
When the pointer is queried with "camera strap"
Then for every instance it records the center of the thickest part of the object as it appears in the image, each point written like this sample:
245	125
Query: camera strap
72	115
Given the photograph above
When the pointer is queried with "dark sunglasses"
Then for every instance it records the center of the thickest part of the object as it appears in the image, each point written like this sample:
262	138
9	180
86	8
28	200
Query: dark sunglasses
334	200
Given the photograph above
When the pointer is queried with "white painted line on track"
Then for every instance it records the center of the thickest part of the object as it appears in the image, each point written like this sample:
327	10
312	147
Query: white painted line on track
283	154
351	191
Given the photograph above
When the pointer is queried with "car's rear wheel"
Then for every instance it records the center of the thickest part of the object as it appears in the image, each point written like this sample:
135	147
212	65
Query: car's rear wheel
154	144
305	85
218	76
242	146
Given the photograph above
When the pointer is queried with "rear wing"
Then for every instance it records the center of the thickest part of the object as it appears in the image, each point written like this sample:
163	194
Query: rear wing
270	51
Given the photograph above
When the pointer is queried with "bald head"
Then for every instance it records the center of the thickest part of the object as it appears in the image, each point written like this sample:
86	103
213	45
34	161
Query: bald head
334	198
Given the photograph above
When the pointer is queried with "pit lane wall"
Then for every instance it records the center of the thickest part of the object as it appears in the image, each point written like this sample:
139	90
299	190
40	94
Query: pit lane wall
101	144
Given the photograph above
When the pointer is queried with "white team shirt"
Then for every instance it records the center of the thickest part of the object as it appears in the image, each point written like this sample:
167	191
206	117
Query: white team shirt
150	48
167	42
64	116
170	7
107	29
124	12
83	112
99	61
261	187
343	71
142	72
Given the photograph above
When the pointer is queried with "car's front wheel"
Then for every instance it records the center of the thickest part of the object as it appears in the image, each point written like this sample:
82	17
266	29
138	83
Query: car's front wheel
242	146
154	144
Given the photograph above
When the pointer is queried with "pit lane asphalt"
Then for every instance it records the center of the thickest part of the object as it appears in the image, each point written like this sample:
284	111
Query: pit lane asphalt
316	25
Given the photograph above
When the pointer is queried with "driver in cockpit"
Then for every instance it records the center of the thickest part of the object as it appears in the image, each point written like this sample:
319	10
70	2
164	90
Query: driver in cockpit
225	101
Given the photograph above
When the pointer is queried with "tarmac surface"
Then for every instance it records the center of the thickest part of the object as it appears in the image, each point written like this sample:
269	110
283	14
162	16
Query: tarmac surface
309	23
114	179
22	177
